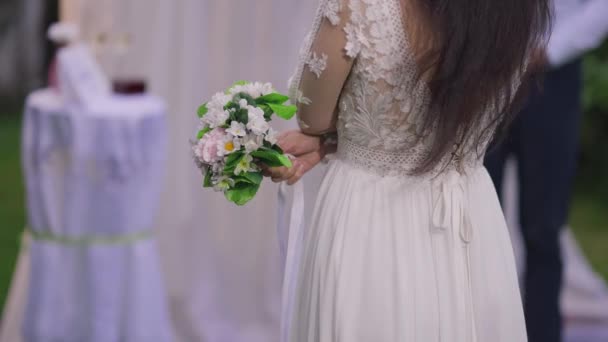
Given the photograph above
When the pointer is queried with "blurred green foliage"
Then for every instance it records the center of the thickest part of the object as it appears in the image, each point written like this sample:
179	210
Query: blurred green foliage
12	198
594	135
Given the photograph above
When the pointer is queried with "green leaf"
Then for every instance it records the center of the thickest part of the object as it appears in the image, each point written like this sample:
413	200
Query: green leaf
278	149
267	111
284	112
249	178
207	181
271	157
274	98
230	105
239	83
242	116
231	161
202	110
202	133
243	96
285	161
242	193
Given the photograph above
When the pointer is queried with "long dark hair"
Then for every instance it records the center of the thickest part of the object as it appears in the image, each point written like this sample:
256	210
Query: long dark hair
471	53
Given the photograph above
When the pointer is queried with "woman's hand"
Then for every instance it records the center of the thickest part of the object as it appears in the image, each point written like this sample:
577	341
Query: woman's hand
298	144
308	151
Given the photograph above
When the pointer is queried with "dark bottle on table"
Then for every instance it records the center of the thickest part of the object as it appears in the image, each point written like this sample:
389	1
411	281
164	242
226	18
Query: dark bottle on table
129	86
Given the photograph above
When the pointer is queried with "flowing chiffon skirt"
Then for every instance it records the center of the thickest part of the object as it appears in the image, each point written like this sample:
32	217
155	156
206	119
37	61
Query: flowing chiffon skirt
402	259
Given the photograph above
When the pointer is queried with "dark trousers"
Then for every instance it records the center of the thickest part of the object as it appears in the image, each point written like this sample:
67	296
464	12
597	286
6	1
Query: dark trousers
544	139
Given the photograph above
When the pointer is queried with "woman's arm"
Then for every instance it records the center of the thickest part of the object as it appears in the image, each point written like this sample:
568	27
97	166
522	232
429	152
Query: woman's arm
324	67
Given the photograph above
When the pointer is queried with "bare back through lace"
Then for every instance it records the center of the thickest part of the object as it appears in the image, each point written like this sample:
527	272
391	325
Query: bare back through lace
357	75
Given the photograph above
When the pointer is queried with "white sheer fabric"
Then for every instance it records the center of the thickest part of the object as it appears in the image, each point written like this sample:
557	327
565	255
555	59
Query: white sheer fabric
221	262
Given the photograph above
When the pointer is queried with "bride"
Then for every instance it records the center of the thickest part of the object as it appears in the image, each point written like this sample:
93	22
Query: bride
407	241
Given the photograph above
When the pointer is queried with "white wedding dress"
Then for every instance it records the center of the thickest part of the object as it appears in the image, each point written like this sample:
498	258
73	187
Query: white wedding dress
387	256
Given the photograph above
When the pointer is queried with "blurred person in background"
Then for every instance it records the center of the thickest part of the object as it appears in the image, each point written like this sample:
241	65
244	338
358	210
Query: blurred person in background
544	139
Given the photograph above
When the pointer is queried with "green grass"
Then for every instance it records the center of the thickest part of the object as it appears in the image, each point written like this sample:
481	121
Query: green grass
589	216
12	212
589	219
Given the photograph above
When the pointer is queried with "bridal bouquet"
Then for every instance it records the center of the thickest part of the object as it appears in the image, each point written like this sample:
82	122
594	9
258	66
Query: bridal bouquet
235	139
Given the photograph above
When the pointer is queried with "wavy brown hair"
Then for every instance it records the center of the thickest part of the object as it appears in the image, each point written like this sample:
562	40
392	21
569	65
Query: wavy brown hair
471	53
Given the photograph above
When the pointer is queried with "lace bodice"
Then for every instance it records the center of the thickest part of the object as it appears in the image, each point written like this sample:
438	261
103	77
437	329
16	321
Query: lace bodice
357	75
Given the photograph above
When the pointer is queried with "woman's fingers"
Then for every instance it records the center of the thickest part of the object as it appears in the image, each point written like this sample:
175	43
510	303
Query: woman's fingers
280	174
300	167
298	143
276	173
310	160
296	176
306	162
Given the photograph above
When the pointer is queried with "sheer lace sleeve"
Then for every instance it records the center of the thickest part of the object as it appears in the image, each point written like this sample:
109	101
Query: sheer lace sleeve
325	63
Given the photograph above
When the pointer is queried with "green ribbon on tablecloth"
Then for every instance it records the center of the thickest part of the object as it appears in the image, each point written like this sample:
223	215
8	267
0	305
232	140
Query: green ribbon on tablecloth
90	240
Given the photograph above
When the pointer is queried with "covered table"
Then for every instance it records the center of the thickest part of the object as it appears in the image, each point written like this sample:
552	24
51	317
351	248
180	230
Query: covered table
93	179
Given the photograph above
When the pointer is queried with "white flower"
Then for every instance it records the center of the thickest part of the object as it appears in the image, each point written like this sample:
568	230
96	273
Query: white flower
238	89
218	167
237	129
63	33
254	90
244	165
243	103
252	143
271	136
218	101
223	183
195	155
215	118
262	89
201	125
255	113
228	145
258	126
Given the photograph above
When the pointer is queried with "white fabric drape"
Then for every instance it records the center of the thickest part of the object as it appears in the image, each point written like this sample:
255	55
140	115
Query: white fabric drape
221	262
91	272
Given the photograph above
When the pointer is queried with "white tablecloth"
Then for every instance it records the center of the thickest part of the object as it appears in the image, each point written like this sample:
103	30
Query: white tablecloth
93	179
